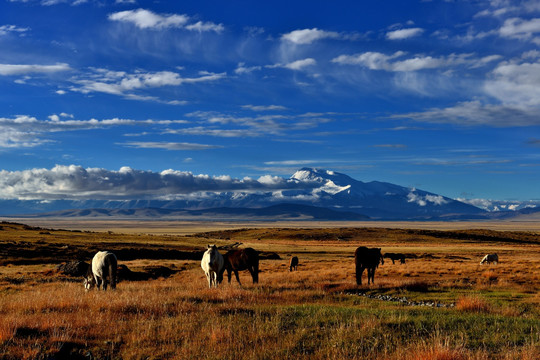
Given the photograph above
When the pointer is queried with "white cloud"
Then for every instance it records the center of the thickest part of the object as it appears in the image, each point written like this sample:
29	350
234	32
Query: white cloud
515	83
300	64
25	131
517	28
7	29
169	145
264	107
206	26
125	84
474	113
424	200
404	33
295	65
227	133
307	36
397	62
146	19
243	69
16	69
76	182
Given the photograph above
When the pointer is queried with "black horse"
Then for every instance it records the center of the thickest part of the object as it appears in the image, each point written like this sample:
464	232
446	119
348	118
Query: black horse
241	259
395	256
367	258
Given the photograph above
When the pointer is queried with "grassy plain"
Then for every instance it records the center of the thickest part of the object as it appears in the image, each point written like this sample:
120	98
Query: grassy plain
318	312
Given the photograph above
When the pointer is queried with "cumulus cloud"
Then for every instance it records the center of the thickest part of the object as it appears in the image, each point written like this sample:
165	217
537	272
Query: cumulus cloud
308	36
517	28
516	83
425	199
18	69
404	33
146	19
76	182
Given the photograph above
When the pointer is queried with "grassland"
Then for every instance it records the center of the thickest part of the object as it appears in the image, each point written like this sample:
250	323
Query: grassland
318	312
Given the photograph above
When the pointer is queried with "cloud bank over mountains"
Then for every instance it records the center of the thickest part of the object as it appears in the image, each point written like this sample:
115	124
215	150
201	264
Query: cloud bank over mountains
75	182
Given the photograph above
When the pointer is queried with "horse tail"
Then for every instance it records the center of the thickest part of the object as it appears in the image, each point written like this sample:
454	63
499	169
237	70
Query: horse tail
113	269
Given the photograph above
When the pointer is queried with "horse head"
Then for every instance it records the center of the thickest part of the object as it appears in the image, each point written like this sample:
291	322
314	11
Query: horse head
89	282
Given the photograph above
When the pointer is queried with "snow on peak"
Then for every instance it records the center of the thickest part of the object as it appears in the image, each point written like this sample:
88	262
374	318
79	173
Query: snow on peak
331	181
332	188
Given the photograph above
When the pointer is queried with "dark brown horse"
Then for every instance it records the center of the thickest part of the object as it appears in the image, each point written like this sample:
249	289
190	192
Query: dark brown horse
367	258
242	259
293	265
395	256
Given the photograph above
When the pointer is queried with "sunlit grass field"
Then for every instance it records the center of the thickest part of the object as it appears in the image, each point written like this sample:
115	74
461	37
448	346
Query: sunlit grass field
317	312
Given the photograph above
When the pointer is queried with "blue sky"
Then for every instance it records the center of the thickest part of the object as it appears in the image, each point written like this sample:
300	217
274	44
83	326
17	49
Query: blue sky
439	95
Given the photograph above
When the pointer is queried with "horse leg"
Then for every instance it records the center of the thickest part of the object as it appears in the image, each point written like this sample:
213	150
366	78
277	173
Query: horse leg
359	271
229	275
237	277
98	281
104	283
209	280
254	274
371	275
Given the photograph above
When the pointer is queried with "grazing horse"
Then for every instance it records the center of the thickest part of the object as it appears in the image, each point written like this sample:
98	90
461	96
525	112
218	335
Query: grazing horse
242	259
394	256
367	258
102	271
212	264
293	265
490	258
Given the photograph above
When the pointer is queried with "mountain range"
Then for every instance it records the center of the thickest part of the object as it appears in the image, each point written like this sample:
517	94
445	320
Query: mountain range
328	195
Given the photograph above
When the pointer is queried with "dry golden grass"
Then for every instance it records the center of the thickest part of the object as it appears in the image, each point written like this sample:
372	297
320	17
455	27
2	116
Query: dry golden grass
312	313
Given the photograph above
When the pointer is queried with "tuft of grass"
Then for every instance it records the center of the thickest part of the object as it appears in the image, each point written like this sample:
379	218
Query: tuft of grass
473	304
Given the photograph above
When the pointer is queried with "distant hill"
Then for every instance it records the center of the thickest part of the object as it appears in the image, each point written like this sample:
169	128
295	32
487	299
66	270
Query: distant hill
271	213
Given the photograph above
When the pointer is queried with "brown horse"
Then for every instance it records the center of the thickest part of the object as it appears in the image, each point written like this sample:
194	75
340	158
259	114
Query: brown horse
395	256
241	259
293	265
366	258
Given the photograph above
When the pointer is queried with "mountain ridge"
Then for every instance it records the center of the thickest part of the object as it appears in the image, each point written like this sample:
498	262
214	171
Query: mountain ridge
318	188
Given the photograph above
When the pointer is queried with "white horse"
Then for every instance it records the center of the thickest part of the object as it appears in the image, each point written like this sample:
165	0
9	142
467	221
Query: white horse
490	258
102	271
212	263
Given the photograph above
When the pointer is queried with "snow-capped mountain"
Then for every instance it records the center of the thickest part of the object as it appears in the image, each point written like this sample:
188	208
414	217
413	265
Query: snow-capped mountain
314	187
377	199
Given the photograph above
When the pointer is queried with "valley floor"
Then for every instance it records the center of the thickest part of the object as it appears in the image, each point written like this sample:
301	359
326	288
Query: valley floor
440	304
